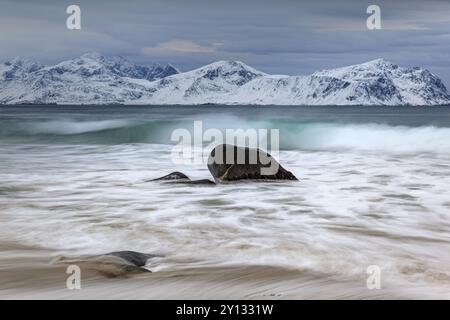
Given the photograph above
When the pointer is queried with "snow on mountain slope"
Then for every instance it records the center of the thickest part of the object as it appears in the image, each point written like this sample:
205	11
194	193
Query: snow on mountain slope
209	84
94	64
18	67
382	82
376	82
94	79
91	78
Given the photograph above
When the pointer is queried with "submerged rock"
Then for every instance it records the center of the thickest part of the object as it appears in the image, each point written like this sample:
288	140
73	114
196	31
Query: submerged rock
137	259
201	181
112	264
173	176
179	177
230	163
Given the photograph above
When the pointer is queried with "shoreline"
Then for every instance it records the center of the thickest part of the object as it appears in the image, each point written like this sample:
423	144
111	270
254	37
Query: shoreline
27	273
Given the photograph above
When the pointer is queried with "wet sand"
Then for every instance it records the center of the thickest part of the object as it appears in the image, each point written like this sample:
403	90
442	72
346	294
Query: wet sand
32	273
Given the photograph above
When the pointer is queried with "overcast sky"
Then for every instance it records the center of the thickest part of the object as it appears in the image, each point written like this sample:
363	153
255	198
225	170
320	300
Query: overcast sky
285	37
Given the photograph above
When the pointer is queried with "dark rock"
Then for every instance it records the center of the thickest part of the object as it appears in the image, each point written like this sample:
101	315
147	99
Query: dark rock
178	177
173	176
112	264
137	259
245	164
201	181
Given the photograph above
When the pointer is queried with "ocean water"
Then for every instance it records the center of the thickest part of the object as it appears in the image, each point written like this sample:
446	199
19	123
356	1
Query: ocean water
373	190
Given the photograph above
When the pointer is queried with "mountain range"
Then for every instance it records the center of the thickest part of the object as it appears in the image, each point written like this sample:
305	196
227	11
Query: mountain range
96	79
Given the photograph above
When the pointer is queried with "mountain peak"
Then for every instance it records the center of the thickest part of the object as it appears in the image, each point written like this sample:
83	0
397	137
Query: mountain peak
22	65
380	62
121	66
94	64
229	65
20	61
227	68
235	63
92	55
229	71
170	66
361	70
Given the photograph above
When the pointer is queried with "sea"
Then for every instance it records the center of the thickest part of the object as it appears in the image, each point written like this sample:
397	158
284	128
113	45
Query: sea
373	190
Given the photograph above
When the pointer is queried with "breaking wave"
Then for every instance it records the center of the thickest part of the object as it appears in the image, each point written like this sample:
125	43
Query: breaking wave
368	138
294	135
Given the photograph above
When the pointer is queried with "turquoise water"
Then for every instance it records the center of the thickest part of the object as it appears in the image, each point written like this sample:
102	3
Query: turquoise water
377	129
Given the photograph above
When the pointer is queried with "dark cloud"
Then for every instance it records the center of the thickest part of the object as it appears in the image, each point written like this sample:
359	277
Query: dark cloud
289	37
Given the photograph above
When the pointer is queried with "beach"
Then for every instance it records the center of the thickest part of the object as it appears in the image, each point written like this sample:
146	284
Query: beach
27	273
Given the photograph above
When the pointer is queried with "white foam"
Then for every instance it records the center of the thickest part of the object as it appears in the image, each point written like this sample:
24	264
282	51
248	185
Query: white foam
372	138
348	210
69	127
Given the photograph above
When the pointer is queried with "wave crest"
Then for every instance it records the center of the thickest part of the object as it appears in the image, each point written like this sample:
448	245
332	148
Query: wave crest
370	138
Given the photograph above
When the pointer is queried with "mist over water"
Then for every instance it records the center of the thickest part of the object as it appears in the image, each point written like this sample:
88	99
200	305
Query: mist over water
373	190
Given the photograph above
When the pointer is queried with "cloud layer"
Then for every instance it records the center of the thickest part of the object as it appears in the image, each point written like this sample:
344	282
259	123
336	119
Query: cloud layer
288	37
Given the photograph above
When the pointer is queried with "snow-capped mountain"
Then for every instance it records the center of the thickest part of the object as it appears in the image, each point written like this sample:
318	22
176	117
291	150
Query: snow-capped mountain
214	83
91	78
95	79
376	82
